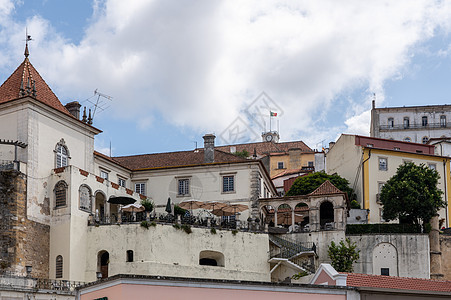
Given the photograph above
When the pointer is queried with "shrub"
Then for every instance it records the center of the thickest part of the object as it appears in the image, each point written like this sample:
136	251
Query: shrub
234	232
148	205
186	228
355	204
179	211
145	224
213	231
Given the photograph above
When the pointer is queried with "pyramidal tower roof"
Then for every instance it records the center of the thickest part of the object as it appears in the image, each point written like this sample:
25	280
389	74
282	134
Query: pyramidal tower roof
25	81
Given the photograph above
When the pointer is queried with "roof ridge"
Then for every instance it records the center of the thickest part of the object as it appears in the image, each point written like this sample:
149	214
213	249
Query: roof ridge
327	187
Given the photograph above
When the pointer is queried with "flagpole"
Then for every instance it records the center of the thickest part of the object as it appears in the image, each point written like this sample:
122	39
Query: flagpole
270	117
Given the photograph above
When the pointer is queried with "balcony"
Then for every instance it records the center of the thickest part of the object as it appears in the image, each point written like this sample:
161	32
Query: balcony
415	126
6	165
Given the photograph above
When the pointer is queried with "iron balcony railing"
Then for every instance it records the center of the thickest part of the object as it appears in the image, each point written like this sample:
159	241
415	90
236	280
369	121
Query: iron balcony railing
415	126
29	283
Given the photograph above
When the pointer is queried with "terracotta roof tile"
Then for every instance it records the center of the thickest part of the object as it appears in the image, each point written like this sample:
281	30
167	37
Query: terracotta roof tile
402	283
267	147
24	76
173	159
326	188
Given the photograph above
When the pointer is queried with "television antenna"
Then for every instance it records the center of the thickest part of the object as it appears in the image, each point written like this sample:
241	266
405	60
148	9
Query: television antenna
100	104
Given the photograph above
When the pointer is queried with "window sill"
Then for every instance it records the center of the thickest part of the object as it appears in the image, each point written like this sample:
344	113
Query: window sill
229	192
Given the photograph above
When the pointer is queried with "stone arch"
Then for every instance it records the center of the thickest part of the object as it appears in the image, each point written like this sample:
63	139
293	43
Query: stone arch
326	214
385	259
103	260
284	215
100	205
302	215
211	258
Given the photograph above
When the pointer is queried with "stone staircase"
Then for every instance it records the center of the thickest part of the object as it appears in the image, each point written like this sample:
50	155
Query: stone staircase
301	254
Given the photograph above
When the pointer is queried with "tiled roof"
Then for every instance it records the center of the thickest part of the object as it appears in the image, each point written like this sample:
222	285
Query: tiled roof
402	283
326	188
15	87
267	147
290	172
173	159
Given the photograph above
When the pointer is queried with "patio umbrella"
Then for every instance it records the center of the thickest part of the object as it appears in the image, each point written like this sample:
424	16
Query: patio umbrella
235	208
134	207
213	205
168	208
121	200
190	204
221	213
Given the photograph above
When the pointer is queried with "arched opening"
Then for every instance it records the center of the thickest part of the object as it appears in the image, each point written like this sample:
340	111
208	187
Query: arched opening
59	267
301	216
129	255
100	207
103	260
268	215
385	260
284	215
326	215
60	194
85	197
211	258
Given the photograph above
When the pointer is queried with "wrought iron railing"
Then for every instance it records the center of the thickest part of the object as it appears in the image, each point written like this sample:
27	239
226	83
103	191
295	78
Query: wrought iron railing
289	248
6	165
415	126
19	282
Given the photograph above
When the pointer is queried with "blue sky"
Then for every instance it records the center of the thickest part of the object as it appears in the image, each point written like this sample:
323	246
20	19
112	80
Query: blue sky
177	72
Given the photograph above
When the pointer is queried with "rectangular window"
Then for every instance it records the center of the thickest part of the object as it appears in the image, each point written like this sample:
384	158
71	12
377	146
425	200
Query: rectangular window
383	164
370	145
432	166
140	188
228	184
183	187
310	163
391	122
424	121
121	182
380	185
280	165
442	121
104	174
385	271
406	123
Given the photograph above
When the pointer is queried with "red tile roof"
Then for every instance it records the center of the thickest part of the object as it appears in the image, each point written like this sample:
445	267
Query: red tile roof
25	75
402	283
326	188
171	159
267	147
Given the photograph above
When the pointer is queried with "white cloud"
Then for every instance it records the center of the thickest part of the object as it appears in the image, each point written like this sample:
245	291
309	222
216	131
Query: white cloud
199	65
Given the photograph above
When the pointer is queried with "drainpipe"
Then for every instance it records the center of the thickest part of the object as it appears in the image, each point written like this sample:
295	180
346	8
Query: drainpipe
446	195
363	177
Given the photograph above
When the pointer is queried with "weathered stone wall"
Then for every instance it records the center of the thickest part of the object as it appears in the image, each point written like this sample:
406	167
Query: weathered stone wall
22	242
445	248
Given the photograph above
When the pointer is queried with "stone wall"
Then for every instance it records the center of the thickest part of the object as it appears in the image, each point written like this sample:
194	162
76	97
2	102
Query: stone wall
22	242
445	248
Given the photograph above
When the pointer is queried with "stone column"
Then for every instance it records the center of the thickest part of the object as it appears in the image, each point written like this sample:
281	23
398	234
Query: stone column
435	253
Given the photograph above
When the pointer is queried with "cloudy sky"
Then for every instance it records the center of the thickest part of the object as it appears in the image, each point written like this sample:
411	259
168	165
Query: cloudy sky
177	70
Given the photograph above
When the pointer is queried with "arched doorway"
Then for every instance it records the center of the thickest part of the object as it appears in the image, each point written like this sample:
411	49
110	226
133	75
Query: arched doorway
99	207
103	260
385	260
326	215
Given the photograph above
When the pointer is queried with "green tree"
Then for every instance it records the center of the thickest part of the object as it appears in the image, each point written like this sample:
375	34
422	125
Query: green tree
343	255
242	154
306	184
411	195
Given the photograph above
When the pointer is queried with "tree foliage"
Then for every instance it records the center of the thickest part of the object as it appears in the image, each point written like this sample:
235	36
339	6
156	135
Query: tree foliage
306	184
411	194
242	154
343	255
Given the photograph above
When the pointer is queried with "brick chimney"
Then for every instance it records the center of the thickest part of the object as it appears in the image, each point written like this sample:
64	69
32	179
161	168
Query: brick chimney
74	109
209	148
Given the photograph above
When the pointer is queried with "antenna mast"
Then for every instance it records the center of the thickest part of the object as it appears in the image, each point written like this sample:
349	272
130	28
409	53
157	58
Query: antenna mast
99	104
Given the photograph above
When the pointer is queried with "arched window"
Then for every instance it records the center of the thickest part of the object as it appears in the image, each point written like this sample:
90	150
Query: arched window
407	139
60	194
85	198
59	267
425	140
129	255
61	154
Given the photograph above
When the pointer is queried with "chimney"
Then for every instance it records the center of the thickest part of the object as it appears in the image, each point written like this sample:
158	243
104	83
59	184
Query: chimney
331	144
74	109
209	148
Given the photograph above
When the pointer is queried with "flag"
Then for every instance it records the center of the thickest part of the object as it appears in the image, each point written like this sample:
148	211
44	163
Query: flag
273	114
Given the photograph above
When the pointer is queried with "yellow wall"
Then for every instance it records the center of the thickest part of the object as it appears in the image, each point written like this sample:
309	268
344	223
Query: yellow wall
291	160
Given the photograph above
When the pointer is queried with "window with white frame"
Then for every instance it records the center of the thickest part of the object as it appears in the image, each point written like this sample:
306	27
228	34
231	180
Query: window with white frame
380	185
121	181
140	188
62	155
228	183
432	166
383	164
391	122
104	174
280	165
183	187
442	121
